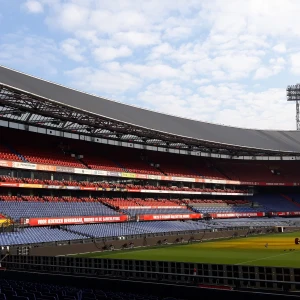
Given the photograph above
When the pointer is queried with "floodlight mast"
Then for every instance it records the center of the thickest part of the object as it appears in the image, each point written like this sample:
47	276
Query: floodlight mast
293	94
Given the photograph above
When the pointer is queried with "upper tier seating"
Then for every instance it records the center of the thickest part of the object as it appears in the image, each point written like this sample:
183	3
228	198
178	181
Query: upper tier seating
113	159
7	154
115	185
188	167
51	150
36	148
138	202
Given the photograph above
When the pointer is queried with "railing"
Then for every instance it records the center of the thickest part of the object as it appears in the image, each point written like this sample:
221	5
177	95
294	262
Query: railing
217	275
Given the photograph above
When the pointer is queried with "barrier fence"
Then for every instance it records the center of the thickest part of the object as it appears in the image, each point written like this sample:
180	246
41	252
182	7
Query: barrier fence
213	275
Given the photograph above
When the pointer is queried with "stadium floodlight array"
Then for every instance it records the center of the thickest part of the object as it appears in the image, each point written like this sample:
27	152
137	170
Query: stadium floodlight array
293	94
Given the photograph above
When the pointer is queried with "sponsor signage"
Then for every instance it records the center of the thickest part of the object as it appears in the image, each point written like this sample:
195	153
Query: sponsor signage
150	207
50	168
168	217
237	215
5	164
84	188
288	213
74	220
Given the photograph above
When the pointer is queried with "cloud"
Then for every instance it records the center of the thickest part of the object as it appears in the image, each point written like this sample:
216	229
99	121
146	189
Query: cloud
295	63
178	32
230	104
29	52
156	71
104	82
207	60
276	65
72	49
111	53
280	48
34	7
137	39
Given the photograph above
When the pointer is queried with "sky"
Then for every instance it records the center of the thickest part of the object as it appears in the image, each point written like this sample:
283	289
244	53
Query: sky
221	61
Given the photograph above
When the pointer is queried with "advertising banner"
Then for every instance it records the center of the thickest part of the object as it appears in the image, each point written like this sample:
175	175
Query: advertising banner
88	188
22	165
8	184
51	168
169	217
5	163
236	215
74	220
46	168
151	207
64	169
128	175
141	176
288	213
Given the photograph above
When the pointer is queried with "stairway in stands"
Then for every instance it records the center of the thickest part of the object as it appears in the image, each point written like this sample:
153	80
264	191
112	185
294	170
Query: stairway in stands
219	170
290	200
14	151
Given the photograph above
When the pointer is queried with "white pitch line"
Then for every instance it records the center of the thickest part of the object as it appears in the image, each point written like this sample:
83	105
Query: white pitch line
249	261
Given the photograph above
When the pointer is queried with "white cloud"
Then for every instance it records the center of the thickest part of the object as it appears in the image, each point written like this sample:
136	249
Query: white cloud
137	39
192	58
101	81
295	63
229	104
156	71
29	53
280	48
34	7
72	49
111	53
178	32
276	65
227	67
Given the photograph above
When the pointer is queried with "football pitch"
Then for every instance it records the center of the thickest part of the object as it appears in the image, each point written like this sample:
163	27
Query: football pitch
278	250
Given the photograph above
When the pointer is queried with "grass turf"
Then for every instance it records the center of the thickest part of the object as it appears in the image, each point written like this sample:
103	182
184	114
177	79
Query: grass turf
239	251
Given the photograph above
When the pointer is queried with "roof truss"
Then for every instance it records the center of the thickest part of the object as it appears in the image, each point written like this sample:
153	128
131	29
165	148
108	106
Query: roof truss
31	110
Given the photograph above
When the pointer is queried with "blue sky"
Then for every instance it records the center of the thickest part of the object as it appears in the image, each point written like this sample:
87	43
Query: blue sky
220	61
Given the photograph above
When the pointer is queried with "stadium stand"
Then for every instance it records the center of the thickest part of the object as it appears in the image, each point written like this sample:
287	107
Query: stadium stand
275	203
68	175
37	235
24	290
34	209
51	150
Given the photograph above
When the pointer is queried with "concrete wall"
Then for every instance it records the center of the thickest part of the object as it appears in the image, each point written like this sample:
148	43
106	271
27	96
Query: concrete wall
119	244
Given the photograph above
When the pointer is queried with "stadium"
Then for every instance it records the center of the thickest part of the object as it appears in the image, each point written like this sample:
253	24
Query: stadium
94	189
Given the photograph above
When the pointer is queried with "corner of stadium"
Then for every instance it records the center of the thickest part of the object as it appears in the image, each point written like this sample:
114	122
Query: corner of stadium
92	189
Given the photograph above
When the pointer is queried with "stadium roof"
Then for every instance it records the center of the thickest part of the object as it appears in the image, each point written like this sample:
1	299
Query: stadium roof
181	128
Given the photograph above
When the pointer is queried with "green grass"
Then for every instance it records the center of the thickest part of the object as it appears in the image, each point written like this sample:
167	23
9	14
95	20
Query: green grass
243	251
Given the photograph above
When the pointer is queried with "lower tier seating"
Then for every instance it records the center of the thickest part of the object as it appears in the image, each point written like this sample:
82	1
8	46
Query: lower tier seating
109	230
37	235
12	289
227	209
134	212
17	210
275	203
254	222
